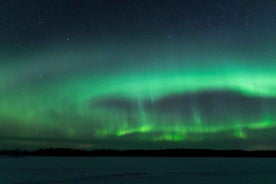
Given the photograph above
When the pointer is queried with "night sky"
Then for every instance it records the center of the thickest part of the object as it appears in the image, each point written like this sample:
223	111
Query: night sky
138	74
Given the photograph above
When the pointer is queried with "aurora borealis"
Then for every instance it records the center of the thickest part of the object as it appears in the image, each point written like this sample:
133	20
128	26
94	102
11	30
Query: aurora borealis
138	74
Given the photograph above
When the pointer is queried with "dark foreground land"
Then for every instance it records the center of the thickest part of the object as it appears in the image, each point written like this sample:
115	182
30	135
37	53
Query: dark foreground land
142	153
136	170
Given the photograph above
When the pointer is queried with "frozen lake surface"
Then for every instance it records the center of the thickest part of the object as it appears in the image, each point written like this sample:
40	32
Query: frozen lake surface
65	170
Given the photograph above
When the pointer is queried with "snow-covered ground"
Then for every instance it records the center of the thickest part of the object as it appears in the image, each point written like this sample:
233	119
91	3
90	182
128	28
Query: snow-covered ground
44	170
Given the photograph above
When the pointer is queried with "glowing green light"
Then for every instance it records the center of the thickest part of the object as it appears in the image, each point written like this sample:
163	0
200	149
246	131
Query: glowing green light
61	105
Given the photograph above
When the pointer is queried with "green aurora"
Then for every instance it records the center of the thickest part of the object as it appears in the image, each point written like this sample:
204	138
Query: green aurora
117	92
34	107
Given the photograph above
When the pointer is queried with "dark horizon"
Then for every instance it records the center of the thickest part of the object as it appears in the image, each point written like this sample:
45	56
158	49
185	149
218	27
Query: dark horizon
66	152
